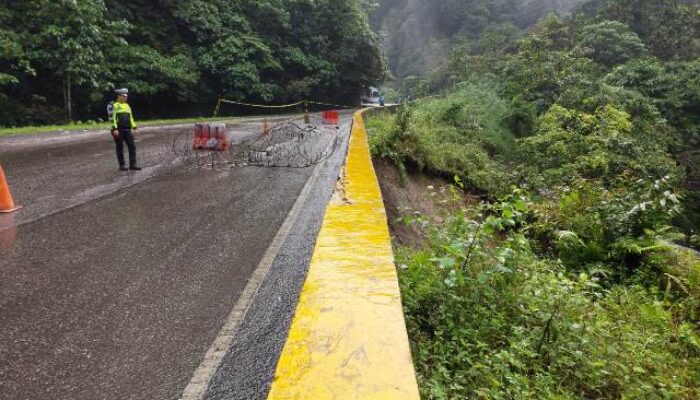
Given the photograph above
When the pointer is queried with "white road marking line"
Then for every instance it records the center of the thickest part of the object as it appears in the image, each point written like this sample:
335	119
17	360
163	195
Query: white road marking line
196	389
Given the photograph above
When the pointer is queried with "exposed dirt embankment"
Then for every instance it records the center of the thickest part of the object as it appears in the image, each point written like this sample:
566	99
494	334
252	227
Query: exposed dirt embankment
417	193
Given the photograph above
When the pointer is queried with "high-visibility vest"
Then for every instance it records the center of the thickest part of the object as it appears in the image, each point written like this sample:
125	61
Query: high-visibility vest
122	117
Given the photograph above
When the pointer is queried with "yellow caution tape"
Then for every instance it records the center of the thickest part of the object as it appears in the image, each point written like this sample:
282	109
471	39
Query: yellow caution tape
275	106
218	105
262	105
348	338
305	102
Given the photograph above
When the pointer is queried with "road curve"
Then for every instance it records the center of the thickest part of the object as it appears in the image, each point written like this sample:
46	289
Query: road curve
115	286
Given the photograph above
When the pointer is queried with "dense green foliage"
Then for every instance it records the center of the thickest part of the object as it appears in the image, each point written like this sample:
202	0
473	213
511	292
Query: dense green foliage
569	286
573	291
587	64
490	318
455	135
60	60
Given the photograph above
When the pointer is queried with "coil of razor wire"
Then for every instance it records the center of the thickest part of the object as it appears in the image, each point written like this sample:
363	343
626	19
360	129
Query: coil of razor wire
285	144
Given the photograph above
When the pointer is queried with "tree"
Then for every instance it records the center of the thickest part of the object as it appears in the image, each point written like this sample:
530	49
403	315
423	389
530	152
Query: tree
671	28
497	37
179	56
610	43
675	90
540	75
13	59
68	40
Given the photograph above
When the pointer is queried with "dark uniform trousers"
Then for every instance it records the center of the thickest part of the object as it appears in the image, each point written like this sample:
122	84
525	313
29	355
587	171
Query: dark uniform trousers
125	136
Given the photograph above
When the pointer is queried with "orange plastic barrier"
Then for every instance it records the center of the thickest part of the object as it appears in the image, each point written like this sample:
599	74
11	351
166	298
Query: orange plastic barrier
7	205
331	117
210	137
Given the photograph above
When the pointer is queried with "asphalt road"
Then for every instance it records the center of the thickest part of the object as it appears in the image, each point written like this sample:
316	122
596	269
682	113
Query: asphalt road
115	285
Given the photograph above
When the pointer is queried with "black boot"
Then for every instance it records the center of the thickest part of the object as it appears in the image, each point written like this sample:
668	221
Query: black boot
135	168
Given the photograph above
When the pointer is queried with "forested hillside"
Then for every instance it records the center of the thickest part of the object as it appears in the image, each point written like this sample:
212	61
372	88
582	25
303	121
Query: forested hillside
417	34
571	278
640	56
60	60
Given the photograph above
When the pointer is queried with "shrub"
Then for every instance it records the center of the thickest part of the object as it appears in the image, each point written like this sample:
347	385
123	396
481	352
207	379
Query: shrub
489	319
570	144
466	134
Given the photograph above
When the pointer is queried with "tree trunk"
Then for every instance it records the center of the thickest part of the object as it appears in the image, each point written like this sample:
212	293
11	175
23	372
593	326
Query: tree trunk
67	98
572	30
70	98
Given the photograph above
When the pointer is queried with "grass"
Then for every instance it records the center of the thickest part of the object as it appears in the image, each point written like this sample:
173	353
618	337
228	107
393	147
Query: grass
463	134
28	130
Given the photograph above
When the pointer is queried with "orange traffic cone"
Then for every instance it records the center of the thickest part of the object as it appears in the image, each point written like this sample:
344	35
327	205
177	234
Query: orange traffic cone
7	205
266	127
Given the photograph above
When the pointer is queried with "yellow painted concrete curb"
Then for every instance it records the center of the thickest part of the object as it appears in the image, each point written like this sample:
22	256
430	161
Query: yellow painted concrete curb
348	338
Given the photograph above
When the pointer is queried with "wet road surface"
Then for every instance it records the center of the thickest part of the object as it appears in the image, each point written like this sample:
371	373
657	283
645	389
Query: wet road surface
114	285
52	172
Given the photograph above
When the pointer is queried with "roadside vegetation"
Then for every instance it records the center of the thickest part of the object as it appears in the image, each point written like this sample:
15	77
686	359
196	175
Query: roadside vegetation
60	61
567	281
92	125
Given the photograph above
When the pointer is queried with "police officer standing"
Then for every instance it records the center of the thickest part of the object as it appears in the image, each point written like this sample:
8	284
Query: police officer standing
123	126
